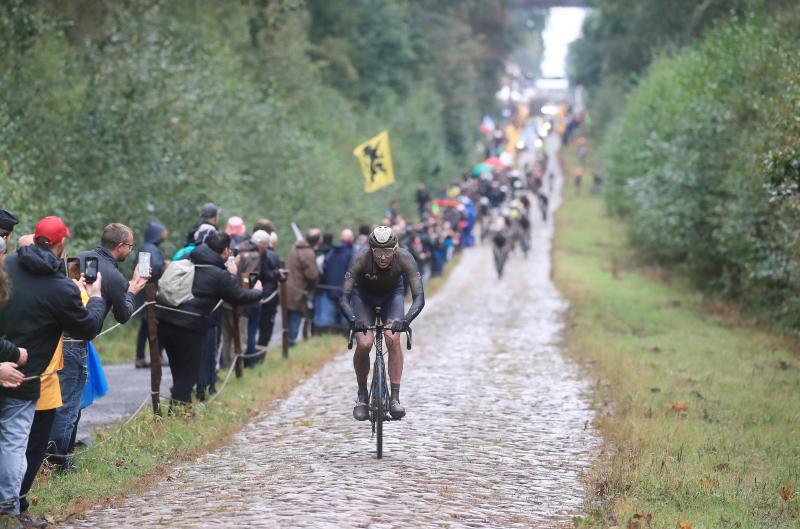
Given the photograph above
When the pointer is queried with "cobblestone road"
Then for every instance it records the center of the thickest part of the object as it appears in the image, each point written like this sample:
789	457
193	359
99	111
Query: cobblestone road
495	435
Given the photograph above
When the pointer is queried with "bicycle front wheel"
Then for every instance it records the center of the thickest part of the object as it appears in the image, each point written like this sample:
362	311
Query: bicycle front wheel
379	411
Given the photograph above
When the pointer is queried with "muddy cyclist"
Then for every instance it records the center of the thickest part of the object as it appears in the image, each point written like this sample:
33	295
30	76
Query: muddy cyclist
377	278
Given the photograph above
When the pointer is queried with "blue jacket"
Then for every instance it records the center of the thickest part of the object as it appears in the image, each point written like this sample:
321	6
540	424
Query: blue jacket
335	266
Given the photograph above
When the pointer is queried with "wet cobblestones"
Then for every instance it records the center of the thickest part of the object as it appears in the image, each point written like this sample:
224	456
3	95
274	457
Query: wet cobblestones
494	437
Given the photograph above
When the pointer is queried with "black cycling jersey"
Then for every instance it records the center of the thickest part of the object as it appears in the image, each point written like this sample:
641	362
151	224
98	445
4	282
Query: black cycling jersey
365	275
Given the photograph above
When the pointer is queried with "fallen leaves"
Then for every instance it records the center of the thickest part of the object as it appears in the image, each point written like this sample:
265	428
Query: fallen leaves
636	521
680	405
787	490
709	483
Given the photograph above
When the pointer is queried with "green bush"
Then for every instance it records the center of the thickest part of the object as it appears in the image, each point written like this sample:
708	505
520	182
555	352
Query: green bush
704	163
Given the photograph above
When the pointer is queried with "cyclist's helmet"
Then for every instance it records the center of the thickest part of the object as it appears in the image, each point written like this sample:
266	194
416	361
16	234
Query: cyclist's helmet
383	237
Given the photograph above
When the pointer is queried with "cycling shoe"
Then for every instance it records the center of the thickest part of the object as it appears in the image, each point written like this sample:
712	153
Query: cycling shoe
396	410
361	409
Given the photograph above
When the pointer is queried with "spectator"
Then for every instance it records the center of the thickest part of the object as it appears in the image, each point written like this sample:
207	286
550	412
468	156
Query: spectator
154	235
11	356
322	250
49	401
264	224
251	252
7	223
270	275
209	214
422	199
303	276
391	213
327	316
182	334
116	244
44	303
362	241
236	230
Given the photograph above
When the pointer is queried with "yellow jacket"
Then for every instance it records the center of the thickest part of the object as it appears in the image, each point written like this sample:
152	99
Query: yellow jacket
50	393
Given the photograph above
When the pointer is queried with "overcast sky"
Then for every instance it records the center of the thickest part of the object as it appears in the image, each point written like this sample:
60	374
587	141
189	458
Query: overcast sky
563	26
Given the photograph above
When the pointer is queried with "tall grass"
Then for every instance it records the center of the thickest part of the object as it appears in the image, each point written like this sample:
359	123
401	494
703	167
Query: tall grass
698	406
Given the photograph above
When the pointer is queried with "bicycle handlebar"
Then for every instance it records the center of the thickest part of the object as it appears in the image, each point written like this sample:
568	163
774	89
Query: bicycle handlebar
352	335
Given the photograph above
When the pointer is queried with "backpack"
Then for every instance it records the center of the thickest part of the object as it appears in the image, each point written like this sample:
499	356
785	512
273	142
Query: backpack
175	285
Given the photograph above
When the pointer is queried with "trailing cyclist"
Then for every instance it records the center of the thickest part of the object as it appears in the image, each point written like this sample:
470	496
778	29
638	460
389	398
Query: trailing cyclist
377	278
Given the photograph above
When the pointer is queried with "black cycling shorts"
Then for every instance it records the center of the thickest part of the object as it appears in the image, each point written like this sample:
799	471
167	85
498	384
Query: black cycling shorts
391	304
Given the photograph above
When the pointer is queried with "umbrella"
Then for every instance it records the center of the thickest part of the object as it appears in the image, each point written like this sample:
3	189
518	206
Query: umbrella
494	161
446	203
480	168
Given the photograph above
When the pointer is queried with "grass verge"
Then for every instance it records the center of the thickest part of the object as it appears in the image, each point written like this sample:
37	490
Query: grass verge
131	457
699	408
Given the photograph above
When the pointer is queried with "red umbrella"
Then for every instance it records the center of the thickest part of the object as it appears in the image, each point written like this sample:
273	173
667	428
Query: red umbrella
446	203
494	161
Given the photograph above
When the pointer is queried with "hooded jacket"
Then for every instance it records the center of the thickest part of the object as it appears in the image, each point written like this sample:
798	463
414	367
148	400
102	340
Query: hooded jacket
212	282
43	304
152	240
303	275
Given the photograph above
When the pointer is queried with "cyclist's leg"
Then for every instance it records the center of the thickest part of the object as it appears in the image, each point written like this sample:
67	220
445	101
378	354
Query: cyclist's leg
364	312
393	304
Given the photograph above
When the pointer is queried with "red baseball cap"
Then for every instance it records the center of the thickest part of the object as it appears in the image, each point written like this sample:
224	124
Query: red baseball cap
52	229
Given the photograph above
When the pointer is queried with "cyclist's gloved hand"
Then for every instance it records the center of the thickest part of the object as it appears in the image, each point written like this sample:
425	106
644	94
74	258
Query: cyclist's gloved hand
399	325
359	326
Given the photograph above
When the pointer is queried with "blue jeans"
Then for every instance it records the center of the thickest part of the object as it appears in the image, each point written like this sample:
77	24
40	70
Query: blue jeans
16	419
72	379
253	321
295	319
207	375
327	312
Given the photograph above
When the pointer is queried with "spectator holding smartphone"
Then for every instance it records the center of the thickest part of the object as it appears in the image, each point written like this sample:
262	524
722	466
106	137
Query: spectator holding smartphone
43	304
116	244
154	235
182	332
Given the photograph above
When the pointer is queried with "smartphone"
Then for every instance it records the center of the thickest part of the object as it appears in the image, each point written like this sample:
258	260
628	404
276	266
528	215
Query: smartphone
90	269
253	279
144	264
73	268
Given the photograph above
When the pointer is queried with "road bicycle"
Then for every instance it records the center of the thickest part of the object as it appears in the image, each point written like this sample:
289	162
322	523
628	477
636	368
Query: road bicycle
378	389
